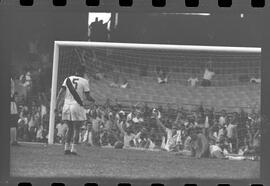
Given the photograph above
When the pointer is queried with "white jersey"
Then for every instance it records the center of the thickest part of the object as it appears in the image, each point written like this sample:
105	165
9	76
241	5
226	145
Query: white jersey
80	85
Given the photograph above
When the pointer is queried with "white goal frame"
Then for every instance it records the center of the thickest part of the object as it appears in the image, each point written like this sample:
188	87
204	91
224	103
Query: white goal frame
57	44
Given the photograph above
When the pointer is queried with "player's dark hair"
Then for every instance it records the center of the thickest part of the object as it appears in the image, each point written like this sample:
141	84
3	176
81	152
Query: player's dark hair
80	70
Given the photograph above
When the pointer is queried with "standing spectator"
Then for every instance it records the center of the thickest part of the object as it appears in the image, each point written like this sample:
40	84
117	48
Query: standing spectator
242	129
207	77
14	115
93	30
222	118
193	80
95	133
232	135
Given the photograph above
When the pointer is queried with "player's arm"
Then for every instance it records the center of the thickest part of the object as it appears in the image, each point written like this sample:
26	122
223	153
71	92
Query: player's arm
89	97
60	95
177	118
160	124
87	92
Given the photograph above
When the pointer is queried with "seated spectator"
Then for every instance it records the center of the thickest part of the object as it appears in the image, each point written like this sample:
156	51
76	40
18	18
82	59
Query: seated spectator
114	85
115	78
42	134
216	151
99	76
162	76
33	126
193	80
125	84
255	80
61	131
199	145
173	141
207	77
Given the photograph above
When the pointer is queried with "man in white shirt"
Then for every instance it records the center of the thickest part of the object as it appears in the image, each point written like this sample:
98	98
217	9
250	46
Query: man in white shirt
207	77
193	81
173	141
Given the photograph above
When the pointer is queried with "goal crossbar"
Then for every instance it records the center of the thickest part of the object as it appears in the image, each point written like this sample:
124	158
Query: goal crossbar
160	46
57	44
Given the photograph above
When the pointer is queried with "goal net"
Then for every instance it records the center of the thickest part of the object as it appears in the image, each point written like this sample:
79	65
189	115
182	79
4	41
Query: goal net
112	66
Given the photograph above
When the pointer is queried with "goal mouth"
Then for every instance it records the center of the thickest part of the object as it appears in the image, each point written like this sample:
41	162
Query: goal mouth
111	65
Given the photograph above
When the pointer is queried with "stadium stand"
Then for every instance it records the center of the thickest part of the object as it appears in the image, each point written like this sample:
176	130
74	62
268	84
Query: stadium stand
230	88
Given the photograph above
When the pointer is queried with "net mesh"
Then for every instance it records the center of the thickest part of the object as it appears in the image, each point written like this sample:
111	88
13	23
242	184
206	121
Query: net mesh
231	87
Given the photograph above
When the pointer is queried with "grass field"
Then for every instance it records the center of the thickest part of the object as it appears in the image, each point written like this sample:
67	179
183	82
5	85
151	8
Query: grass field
35	160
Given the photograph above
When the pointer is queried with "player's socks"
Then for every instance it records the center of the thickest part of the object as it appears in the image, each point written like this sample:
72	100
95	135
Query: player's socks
73	148
67	149
67	146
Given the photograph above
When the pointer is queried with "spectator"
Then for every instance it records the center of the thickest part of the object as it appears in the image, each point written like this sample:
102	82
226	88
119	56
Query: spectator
207	77
33	126
61	131
93	30
13	115
232	135
199	145
125	84
173	137
162	76
26	80
255	80
193	80
222	118
216	151
96	123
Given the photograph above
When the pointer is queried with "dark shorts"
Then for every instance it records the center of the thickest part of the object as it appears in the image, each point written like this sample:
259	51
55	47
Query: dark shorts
14	120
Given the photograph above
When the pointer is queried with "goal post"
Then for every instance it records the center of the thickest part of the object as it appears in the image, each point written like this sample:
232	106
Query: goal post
108	45
53	93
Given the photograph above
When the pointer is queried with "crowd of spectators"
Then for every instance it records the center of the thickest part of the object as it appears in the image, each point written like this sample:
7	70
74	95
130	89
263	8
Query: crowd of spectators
170	129
167	129
141	126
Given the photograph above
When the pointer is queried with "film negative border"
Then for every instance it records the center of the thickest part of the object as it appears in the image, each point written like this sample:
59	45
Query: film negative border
155	3
164	4
234	7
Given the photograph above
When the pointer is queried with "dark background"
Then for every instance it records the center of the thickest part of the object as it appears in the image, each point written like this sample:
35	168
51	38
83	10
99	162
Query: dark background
70	24
216	29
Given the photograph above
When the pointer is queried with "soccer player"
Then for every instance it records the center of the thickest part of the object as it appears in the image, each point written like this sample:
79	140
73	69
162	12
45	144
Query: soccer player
74	89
